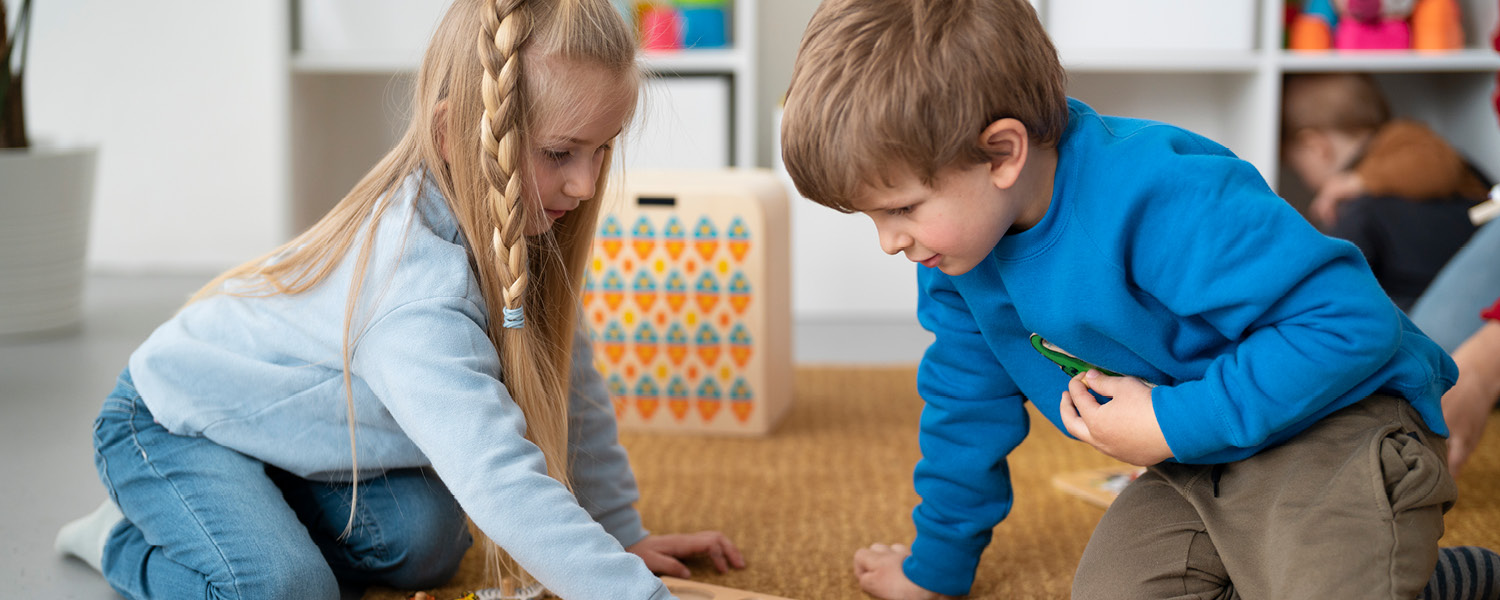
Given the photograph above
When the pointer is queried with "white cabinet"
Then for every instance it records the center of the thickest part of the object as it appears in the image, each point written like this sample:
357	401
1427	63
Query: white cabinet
353	62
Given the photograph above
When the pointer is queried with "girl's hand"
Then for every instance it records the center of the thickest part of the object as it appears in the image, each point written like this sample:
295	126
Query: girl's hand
878	569
662	552
1125	428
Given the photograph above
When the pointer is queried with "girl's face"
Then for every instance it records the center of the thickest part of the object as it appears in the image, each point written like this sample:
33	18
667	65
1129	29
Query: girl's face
578	122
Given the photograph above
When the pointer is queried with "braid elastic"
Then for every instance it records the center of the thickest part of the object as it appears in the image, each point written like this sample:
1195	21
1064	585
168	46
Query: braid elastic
505	31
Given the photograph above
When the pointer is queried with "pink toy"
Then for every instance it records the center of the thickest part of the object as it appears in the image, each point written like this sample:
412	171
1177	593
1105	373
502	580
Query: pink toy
1383	34
661	29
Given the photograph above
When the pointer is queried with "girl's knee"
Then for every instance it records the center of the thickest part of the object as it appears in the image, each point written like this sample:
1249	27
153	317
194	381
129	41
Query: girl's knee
283	576
427	558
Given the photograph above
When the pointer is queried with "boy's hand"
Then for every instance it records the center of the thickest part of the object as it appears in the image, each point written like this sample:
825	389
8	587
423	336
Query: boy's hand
662	552
878	569
1125	428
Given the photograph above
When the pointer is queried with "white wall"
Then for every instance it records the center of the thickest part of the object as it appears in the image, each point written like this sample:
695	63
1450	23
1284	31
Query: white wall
185	98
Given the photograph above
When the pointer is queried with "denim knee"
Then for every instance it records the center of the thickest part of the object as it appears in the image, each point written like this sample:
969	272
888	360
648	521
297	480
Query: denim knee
425	550
280	575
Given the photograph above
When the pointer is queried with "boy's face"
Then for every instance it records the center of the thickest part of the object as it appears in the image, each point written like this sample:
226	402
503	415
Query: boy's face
953	225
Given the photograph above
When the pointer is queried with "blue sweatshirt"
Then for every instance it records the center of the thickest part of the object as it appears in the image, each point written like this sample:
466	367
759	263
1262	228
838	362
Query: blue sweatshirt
263	376
1164	257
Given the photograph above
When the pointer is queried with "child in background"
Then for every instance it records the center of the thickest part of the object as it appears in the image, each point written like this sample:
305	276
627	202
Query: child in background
1270	387
1391	186
325	415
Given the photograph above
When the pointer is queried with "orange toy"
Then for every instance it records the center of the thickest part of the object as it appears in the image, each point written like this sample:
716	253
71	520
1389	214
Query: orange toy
1436	25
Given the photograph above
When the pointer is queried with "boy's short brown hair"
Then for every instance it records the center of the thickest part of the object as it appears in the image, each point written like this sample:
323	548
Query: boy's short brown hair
882	85
1345	102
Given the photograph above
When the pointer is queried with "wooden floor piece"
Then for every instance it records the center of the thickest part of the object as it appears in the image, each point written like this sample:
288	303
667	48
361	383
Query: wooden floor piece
1096	486
693	590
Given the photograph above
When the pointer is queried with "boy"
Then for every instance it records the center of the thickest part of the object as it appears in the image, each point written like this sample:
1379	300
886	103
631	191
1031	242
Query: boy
1393	187
1294	430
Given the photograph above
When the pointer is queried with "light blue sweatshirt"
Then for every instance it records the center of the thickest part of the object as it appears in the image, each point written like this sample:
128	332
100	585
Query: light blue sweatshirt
263	376
1164	257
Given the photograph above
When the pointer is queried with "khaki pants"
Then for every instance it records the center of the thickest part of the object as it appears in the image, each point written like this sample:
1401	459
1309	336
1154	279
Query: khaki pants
1351	508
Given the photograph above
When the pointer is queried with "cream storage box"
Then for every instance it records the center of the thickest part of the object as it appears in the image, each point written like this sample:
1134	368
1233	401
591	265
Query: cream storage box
688	298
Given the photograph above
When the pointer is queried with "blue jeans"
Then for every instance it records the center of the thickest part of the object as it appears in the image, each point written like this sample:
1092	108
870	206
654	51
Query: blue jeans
204	521
1448	311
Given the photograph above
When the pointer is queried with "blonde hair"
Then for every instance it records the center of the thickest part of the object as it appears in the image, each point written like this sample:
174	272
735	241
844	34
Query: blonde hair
881	85
1344	102
488	65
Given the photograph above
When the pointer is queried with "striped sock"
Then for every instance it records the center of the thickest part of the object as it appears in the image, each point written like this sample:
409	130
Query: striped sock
1464	573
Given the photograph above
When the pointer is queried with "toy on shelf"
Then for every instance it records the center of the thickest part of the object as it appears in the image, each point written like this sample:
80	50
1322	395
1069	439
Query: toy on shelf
688	297
1436	25
682	24
1312	28
1427	25
1373	25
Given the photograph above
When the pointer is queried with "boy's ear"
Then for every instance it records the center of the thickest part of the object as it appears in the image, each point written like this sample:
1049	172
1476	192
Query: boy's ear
1006	143
440	127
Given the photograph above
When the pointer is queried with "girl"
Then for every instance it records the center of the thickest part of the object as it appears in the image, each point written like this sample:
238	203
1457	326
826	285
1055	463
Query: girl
327	413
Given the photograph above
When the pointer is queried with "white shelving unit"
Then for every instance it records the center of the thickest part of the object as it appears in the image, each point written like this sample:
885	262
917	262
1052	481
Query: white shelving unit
699	102
1234	96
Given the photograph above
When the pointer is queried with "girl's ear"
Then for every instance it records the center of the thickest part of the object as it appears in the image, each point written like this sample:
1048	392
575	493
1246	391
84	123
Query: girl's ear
440	127
1006	143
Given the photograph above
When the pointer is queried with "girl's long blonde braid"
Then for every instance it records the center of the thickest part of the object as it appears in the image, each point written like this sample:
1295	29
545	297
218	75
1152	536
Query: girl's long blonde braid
531	373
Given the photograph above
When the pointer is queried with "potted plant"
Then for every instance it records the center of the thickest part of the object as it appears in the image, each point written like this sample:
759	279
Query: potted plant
46	191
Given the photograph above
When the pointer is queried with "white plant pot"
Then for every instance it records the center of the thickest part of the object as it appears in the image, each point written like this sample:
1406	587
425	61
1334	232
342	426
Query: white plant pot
46	195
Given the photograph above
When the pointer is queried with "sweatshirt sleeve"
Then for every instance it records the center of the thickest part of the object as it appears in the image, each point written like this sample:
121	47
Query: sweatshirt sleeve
973	417
1305	320
602	478
434	368
1408	160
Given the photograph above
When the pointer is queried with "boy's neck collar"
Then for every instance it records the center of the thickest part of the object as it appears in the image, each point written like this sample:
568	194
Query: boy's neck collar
1034	189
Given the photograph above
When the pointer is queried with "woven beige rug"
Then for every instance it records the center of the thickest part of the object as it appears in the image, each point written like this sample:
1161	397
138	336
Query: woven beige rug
836	476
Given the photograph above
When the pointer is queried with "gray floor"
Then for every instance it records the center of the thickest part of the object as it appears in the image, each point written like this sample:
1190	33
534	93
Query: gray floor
51	388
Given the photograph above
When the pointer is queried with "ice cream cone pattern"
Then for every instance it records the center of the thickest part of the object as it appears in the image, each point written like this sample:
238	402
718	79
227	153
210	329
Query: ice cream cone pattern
647	397
709	399
739	292
672	235
614	342
612	289
739	239
677	398
643	290
676	291
707	342
741	400
643	237
706	292
705	238
739	345
677	344
645	343
609	236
